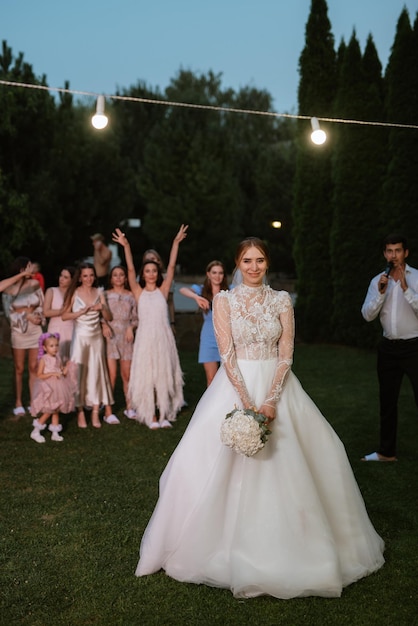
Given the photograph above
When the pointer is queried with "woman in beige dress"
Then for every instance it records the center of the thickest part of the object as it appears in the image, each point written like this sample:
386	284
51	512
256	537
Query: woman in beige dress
23	301
119	333
85	303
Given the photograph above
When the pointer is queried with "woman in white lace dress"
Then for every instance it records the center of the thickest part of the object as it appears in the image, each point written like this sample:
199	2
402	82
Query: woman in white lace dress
156	379
289	521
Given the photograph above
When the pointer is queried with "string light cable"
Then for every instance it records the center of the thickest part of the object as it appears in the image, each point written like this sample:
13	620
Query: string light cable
207	107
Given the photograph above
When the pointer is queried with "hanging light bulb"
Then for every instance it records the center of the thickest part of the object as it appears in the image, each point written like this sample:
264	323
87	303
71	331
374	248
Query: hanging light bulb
99	119
318	136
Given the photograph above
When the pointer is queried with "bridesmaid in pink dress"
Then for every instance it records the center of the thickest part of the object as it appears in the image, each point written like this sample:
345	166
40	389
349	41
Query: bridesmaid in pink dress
53	308
120	331
23	301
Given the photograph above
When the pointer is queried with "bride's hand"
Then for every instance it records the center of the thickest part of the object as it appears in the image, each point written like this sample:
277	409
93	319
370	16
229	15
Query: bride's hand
268	411
119	237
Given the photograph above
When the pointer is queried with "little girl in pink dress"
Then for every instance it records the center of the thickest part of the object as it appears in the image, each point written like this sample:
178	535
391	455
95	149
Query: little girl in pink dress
54	389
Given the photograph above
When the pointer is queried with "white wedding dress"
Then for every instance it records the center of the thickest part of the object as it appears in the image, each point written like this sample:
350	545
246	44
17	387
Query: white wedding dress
289	521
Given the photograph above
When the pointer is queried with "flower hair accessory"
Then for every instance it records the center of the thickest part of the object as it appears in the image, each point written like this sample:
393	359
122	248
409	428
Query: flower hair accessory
245	431
42	340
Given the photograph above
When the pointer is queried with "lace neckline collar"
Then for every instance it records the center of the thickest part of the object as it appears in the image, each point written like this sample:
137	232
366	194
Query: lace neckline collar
253	290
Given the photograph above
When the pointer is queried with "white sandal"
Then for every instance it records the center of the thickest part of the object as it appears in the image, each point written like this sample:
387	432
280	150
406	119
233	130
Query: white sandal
111	419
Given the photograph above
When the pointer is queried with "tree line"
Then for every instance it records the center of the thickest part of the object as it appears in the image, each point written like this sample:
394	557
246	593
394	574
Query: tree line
362	184
229	175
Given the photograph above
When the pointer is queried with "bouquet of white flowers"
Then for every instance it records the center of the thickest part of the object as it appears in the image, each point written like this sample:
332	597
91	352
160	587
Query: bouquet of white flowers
245	431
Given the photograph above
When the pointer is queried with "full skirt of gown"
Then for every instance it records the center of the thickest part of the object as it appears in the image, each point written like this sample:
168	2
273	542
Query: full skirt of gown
287	522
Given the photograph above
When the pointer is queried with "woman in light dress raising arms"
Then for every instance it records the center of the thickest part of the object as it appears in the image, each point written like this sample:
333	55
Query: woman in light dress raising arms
153	255
156	380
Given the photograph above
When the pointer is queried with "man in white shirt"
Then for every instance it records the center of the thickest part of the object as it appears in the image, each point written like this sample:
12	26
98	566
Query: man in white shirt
393	296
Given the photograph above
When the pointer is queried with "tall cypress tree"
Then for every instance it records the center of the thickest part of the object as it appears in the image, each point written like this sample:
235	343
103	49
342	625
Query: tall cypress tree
358	169
401	187
27	117
312	208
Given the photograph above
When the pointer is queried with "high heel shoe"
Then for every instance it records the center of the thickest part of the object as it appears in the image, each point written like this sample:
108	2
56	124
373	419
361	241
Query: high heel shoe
81	420
95	420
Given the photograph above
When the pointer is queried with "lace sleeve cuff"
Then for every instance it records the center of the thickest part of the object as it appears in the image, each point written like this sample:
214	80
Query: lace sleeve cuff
284	364
283	370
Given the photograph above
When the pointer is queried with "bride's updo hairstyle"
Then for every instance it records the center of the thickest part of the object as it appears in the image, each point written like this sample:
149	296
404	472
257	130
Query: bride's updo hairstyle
251	242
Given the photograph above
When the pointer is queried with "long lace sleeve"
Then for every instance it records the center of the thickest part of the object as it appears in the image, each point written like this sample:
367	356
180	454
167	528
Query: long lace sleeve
223	333
286	347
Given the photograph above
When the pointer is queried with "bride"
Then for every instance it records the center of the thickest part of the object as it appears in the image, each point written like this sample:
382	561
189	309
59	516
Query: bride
289	521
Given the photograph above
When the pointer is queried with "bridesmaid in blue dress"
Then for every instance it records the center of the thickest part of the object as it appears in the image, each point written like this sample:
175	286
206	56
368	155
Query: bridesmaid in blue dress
215	282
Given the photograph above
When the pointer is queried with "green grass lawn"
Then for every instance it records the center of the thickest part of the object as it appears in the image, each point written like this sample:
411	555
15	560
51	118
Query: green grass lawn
73	513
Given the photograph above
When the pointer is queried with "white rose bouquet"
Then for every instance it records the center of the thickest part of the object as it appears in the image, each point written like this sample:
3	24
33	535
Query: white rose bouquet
245	431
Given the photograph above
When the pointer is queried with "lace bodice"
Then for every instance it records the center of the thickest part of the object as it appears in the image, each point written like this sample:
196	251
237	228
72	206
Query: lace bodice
254	323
